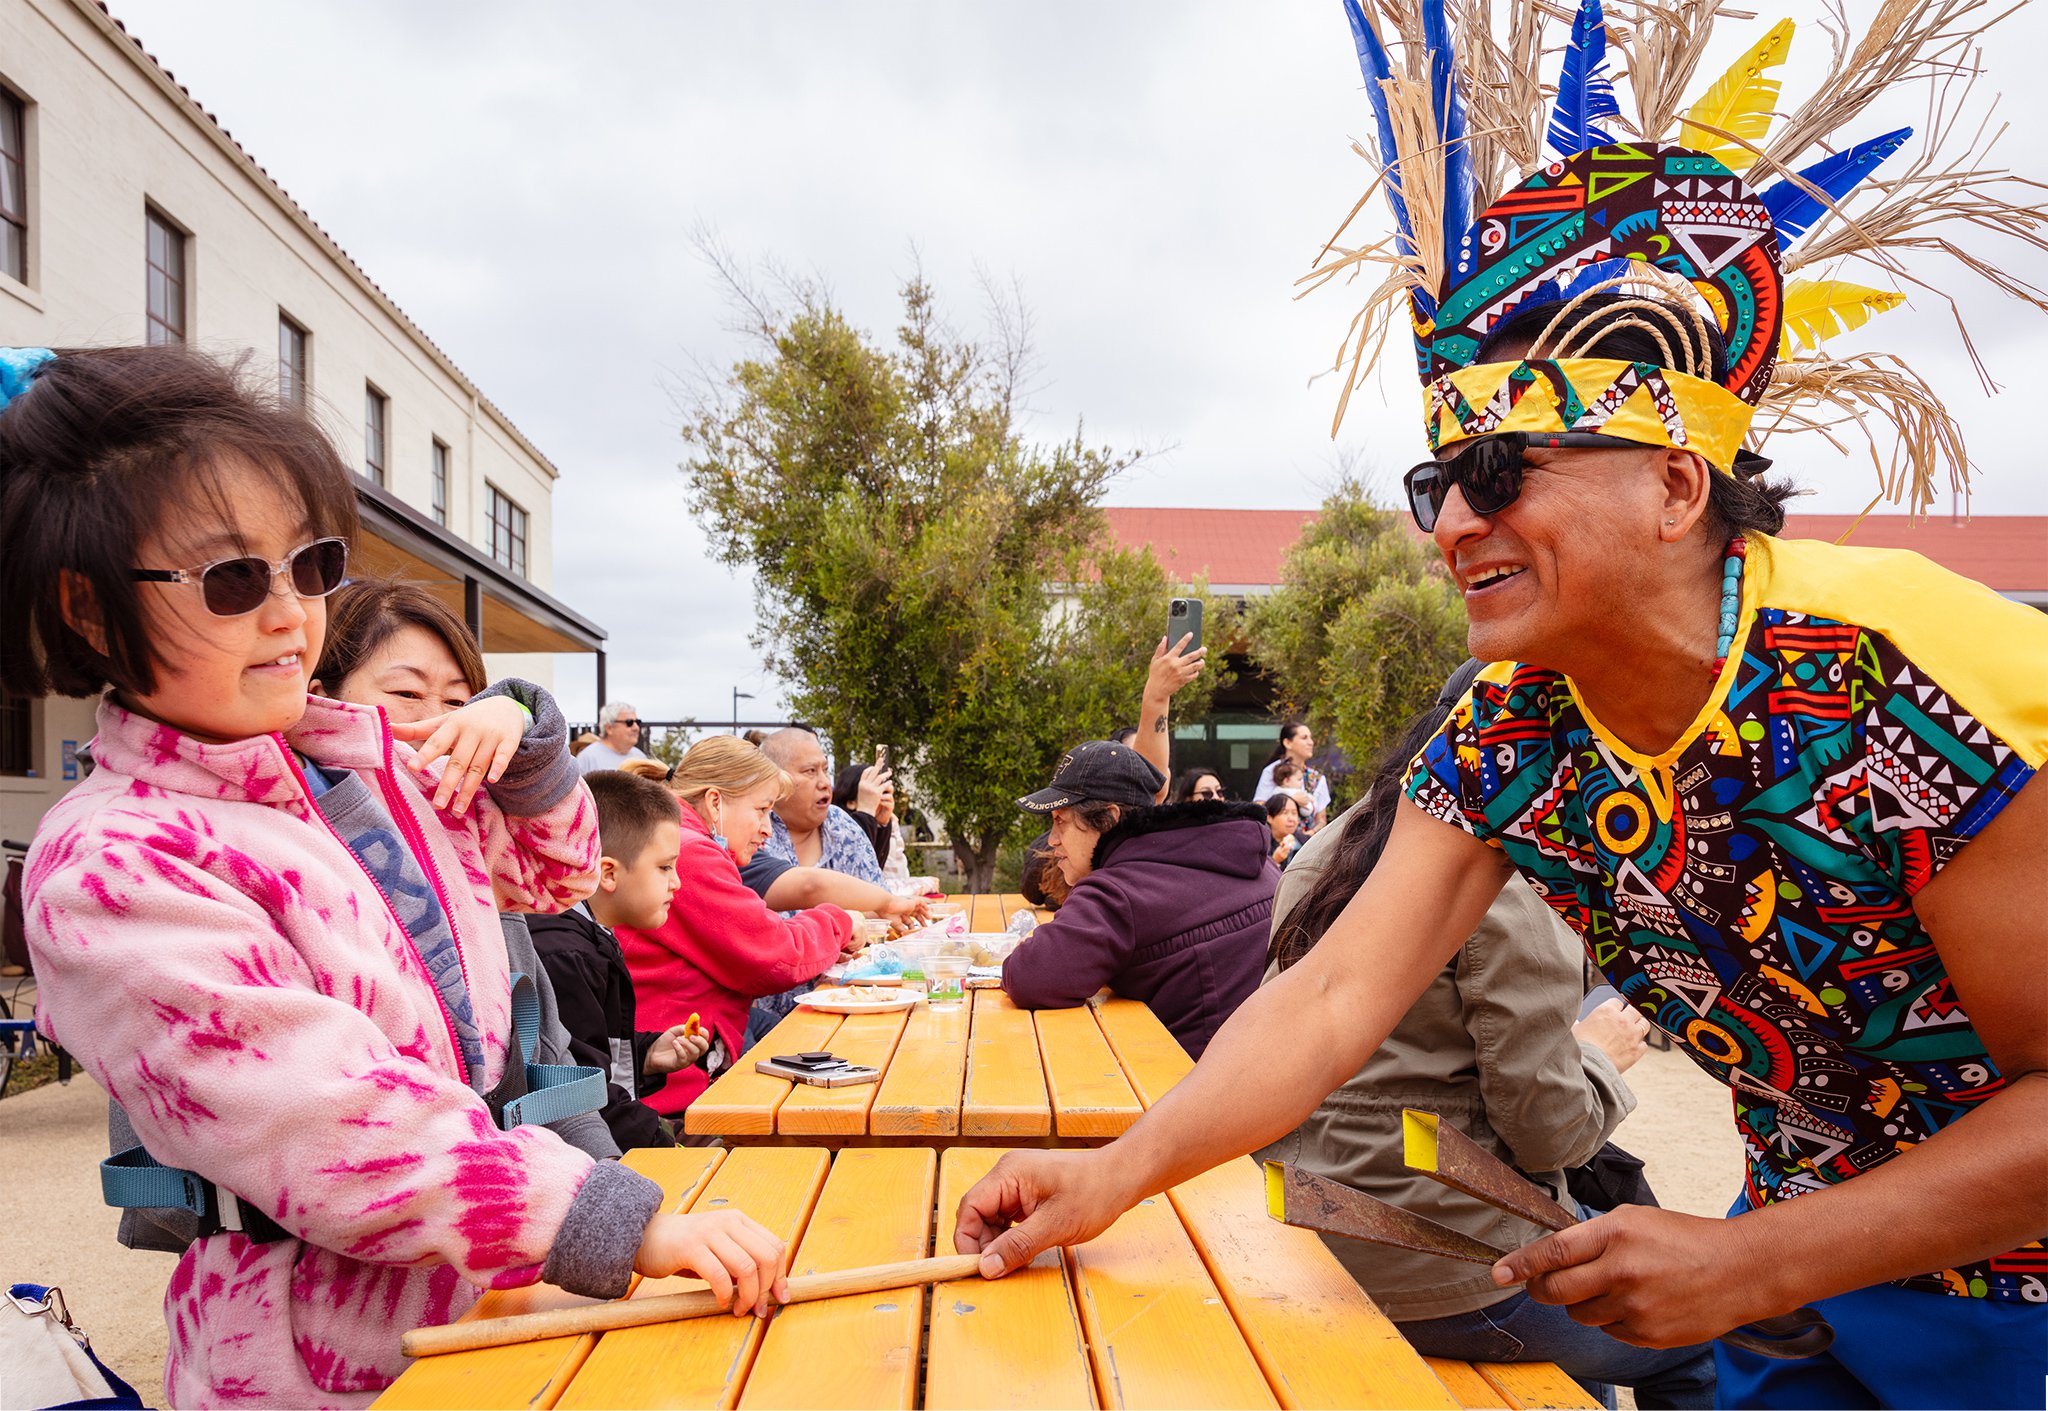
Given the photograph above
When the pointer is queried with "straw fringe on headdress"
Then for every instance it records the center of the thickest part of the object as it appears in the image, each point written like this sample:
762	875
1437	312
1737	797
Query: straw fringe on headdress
1459	126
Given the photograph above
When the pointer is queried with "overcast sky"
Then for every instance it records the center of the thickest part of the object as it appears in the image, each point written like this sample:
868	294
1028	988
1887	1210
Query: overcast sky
524	180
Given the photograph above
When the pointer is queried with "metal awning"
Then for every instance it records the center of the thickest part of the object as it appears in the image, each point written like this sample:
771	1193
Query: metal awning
507	613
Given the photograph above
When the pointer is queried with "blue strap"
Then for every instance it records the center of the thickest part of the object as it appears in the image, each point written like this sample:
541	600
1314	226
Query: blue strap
553	1090
135	1180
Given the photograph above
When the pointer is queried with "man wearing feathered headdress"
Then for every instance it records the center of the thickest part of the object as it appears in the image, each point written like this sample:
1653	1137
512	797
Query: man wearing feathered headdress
1787	792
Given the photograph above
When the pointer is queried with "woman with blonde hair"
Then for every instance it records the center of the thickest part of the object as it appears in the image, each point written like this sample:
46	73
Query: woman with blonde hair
721	947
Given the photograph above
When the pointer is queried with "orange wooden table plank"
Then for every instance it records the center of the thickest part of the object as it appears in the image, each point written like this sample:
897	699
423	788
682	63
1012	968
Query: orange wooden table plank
868	1039
1090	1095
1152	1058
1320	1339
1014	1342
1158	1331
1005	1094
743	1102
1534	1385
920	1093
533	1374
703	1361
860	1350
1466	1385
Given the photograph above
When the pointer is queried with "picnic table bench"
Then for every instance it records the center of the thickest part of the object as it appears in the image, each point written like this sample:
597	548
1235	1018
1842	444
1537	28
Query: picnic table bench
1194	1298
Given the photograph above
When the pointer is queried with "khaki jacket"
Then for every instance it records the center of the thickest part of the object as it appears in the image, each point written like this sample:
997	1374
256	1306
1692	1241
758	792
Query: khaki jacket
1488	1048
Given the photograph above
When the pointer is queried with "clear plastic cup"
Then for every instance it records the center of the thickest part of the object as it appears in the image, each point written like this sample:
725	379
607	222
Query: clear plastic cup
946	977
917	958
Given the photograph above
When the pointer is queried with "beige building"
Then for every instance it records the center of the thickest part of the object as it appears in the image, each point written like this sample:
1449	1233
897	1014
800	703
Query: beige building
127	214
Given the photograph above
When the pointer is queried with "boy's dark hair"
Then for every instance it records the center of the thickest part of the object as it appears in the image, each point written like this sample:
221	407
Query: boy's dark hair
629	809
94	456
1600	327
362	616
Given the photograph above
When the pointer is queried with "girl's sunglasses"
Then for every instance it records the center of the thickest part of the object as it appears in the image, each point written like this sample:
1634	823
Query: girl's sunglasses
232	587
1488	470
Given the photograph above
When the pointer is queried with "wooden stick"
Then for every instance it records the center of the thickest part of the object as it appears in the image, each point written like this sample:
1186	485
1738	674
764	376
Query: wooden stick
670	1307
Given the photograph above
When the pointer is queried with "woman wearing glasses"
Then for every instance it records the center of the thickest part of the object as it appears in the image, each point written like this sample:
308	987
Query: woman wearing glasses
1198	786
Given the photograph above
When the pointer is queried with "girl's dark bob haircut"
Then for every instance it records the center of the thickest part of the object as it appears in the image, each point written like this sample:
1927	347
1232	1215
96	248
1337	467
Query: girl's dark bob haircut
99	452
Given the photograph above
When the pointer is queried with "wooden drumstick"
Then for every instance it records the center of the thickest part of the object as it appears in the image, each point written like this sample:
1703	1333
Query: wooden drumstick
670	1307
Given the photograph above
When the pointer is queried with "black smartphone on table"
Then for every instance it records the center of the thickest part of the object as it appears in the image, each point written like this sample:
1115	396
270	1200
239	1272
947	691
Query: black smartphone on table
819	1070
1184	617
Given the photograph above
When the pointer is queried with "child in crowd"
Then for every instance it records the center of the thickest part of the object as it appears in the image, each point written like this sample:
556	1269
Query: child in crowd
267	923
639	826
720	947
398	648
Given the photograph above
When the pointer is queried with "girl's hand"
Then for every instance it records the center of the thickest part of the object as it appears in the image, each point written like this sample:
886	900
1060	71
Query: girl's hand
478	741
744	1264
677	1049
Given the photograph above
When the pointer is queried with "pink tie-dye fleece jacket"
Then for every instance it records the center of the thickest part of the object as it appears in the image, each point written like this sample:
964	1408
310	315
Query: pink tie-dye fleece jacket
218	959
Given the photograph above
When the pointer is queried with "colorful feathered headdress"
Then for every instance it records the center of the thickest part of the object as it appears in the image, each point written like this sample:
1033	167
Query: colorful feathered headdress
1575	197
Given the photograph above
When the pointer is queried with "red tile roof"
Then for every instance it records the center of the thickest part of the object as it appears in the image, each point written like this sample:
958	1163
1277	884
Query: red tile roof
1245	548
1231	548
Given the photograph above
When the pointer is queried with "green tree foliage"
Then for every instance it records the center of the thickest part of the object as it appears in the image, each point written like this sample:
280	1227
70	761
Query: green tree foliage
1363	630
924	576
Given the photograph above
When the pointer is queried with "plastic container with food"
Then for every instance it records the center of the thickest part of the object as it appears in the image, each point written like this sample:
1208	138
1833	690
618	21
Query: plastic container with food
992	947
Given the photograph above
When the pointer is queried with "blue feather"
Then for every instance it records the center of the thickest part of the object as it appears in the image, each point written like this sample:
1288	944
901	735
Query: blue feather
1793	209
1585	93
1450	116
1375	66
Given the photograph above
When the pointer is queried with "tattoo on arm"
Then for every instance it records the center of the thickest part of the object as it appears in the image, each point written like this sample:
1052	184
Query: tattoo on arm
1159	725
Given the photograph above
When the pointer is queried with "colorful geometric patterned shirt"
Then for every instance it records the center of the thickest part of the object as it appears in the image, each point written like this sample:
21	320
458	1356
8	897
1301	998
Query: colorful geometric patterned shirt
1751	888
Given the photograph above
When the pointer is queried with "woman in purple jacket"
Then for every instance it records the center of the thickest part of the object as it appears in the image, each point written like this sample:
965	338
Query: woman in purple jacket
1170	903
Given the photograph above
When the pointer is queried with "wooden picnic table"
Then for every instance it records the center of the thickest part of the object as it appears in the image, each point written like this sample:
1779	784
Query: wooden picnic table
983	1071
1193	1299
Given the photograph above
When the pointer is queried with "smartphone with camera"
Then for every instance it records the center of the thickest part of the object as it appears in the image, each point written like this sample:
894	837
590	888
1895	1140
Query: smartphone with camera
881	756
1183	616
819	1070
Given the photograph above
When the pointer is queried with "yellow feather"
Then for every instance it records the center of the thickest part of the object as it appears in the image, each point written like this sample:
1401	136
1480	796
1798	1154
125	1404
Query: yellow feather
1741	101
1820	308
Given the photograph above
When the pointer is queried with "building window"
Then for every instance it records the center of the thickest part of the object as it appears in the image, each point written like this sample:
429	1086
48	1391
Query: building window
440	491
508	532
17	748
166	274
291	361
13	186
376	429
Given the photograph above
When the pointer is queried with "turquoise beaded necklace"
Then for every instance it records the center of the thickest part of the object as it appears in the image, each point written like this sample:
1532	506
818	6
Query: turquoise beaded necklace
1731	601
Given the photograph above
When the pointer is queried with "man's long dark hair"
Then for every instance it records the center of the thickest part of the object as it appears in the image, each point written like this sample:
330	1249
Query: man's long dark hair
1365	836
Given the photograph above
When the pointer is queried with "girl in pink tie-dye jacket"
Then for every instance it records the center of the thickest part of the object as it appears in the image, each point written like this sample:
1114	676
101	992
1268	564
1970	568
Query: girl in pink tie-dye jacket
266	923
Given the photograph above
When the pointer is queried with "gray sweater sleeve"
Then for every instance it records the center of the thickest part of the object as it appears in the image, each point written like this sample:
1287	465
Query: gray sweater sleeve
594	1250
541	771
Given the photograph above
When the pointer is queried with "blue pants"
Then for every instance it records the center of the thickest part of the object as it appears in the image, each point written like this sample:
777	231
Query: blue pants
1519	1329
1903	1347
768	1011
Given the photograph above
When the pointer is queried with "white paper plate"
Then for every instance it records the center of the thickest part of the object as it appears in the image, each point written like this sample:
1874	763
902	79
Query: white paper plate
843	1001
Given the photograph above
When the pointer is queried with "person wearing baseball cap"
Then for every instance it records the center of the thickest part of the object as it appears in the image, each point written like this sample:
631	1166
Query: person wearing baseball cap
1169	903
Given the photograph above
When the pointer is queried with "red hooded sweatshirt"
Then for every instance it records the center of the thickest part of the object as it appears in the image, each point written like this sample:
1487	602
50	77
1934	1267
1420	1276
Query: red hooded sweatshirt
720	950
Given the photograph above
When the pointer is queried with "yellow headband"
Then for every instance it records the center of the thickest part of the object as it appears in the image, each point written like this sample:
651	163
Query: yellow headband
1634	401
